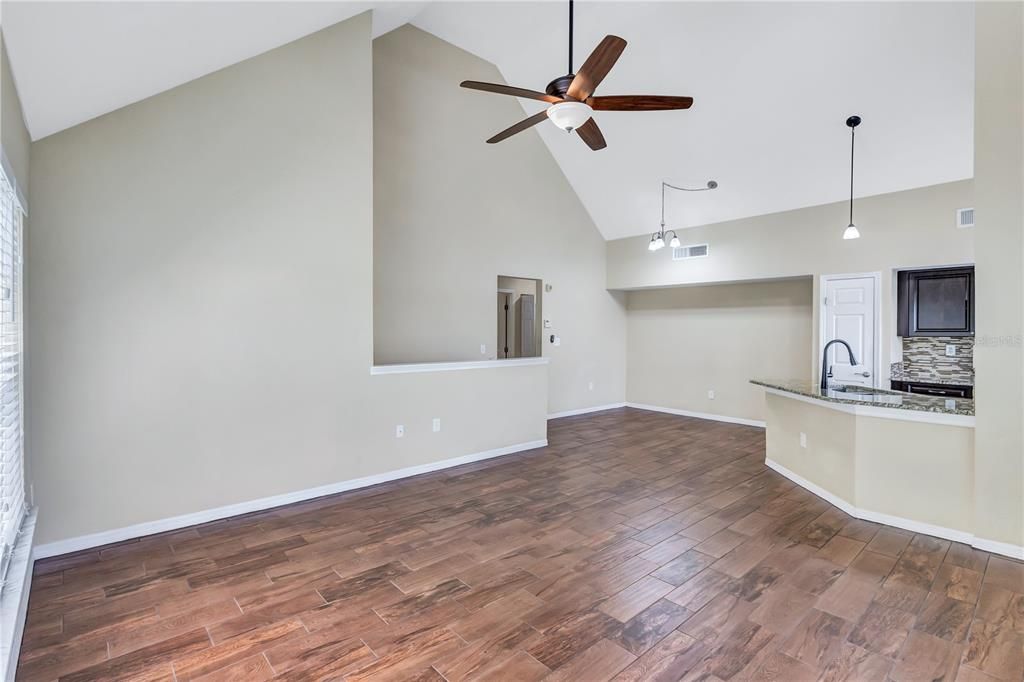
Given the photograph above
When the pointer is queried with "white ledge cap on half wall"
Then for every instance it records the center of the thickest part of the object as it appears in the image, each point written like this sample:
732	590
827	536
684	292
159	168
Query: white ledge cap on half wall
454	366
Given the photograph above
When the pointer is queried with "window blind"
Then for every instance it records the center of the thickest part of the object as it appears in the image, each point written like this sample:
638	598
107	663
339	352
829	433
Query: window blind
12	472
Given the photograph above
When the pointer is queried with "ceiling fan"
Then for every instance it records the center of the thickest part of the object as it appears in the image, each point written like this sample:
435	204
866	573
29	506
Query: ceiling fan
572	97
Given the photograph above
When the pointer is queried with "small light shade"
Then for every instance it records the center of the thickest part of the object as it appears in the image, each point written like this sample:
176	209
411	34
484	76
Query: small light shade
652	246
851	232
569	115
675	243
659	243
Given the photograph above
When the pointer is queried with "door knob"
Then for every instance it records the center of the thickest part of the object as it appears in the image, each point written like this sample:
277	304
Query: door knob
863	374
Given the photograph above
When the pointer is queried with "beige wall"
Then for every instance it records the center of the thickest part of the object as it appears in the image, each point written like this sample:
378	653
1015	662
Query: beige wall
452	213
13	134
200	300
998	355
866	462
685	341
898	230
829	460
931	480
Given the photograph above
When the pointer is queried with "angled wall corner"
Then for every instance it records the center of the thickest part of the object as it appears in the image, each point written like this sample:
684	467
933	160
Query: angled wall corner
451	213
199	308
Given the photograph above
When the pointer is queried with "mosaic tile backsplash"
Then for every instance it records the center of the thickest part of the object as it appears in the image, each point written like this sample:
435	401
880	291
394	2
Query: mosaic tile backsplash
924	359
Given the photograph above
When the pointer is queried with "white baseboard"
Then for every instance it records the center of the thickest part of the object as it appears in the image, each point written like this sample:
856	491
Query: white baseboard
51	549
585	410
832	499
996	547
1002	548
698	415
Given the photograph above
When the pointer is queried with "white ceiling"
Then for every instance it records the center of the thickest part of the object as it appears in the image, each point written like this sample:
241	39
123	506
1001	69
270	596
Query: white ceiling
73	61
773	84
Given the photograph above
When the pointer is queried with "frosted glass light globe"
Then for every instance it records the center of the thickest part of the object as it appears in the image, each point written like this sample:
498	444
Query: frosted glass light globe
569	115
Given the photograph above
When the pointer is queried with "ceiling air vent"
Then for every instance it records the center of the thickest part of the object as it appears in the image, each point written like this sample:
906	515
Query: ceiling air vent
964	217
691	251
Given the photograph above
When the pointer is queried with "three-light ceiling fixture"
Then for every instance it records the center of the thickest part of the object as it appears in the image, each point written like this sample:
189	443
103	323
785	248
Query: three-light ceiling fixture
658	238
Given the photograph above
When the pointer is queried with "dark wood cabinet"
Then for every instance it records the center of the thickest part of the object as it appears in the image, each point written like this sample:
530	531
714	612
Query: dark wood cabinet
938	302
940	390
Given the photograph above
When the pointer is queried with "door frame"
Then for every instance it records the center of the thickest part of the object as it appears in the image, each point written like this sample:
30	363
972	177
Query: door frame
877	314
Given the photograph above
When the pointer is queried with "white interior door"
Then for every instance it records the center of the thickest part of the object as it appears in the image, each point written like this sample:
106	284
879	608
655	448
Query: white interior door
850	315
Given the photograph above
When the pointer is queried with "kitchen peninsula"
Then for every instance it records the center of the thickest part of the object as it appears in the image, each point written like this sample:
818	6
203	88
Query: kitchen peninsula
896	458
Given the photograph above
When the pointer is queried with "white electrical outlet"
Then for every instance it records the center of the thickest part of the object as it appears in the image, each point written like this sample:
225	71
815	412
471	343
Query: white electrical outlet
399	431
483	349
711	394
437	424
590	386
803	439
558	341
547	324
950	350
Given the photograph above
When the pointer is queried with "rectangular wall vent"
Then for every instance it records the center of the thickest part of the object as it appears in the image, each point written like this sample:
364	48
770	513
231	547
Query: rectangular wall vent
964	217
691	251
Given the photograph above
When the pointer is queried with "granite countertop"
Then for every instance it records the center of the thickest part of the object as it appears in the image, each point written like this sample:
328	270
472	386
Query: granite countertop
875	397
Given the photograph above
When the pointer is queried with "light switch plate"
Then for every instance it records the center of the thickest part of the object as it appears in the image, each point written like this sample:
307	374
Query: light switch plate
803	439
711	394
437	424
547	324
558	340
950	350
483	349
399	431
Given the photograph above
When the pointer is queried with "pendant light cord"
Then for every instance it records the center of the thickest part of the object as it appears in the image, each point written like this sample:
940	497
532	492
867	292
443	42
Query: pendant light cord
711	185
663	205
853	132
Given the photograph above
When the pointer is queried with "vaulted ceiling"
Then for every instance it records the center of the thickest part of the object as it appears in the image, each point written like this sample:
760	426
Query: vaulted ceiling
773	84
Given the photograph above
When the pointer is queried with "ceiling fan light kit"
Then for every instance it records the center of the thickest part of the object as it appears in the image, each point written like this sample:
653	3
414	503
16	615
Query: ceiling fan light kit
569	115
571	96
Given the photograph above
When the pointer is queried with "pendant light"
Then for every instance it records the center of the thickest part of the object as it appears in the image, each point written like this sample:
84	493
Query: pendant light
658	238
851	231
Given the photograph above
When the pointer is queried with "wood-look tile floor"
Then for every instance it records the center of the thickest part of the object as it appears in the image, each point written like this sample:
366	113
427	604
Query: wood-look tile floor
636	546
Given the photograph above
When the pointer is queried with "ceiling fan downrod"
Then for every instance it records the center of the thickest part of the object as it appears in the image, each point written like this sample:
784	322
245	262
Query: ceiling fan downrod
570	37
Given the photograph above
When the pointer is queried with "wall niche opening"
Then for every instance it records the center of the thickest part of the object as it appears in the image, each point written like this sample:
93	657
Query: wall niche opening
520	326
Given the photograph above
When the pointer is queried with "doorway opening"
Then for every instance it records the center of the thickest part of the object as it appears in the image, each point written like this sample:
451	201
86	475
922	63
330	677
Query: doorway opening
519	326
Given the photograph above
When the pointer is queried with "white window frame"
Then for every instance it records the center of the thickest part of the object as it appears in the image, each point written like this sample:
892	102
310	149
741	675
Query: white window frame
13	498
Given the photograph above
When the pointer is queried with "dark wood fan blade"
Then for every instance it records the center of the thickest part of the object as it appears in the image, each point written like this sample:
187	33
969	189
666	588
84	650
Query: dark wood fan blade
519	127
509	90
591	134
639	103
597	66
